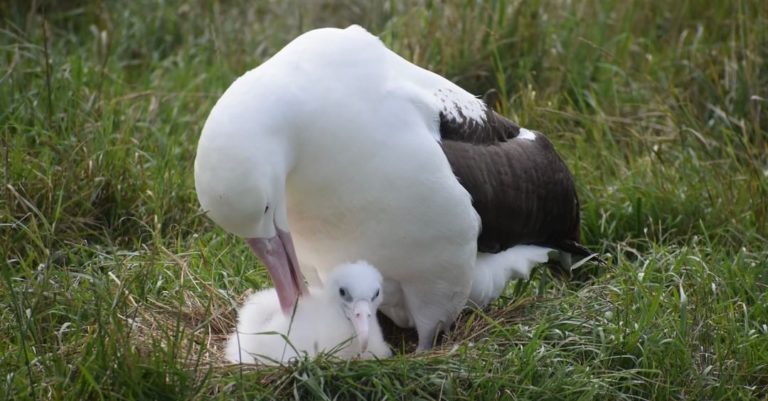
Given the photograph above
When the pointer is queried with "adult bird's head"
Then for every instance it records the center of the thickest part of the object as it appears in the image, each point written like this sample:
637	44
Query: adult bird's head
240	171
357	287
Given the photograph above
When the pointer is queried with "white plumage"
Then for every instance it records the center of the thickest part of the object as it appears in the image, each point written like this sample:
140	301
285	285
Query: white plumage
494	270
334	145
339	319
350	168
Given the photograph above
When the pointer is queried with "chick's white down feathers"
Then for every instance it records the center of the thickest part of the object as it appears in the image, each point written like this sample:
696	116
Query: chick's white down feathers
323	321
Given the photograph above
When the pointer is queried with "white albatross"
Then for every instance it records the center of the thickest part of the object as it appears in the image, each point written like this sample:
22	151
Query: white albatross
339	319
338	149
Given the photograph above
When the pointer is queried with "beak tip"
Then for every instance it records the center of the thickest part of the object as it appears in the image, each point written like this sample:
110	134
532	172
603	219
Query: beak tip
361	323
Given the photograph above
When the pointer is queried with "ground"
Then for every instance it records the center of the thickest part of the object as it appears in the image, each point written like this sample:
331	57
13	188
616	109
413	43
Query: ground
114	286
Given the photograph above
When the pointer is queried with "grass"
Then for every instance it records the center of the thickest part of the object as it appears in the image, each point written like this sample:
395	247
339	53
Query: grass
115	287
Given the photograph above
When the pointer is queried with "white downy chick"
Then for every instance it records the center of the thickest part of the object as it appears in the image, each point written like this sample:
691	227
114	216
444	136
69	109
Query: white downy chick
339	318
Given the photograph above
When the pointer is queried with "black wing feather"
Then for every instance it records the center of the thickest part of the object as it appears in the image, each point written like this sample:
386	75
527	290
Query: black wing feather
522	189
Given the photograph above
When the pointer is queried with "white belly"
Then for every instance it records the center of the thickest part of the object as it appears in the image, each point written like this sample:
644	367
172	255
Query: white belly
406	215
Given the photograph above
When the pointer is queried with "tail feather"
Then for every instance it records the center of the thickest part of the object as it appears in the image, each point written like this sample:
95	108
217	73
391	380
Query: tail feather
493	271
572	247
571	255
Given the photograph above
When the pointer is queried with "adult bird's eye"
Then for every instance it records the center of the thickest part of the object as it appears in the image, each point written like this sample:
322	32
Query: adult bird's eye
375	295
342	292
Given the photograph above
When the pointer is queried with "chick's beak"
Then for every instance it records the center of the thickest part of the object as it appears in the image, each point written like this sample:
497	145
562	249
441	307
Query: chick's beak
361	317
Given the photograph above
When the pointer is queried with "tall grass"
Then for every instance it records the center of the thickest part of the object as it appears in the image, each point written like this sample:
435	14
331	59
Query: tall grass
114	286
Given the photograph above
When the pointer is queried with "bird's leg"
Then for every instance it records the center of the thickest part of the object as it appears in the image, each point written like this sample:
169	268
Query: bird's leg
432	310
427	336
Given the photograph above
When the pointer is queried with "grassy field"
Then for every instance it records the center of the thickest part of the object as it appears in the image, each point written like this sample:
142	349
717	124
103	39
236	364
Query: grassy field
115	287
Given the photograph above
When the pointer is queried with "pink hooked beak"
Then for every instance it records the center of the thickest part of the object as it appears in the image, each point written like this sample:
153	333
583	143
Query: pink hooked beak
279	257
361	315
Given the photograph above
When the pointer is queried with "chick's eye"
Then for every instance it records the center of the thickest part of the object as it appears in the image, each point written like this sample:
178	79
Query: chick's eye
342	292
266	209
375	295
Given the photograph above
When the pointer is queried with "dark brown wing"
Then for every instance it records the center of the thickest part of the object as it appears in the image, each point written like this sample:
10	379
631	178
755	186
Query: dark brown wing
521	188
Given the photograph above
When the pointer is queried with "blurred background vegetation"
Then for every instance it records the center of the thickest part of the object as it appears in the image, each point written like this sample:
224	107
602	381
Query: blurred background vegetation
659	110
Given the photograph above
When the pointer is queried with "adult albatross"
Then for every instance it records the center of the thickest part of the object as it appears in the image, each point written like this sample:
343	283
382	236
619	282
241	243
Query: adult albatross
338	149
